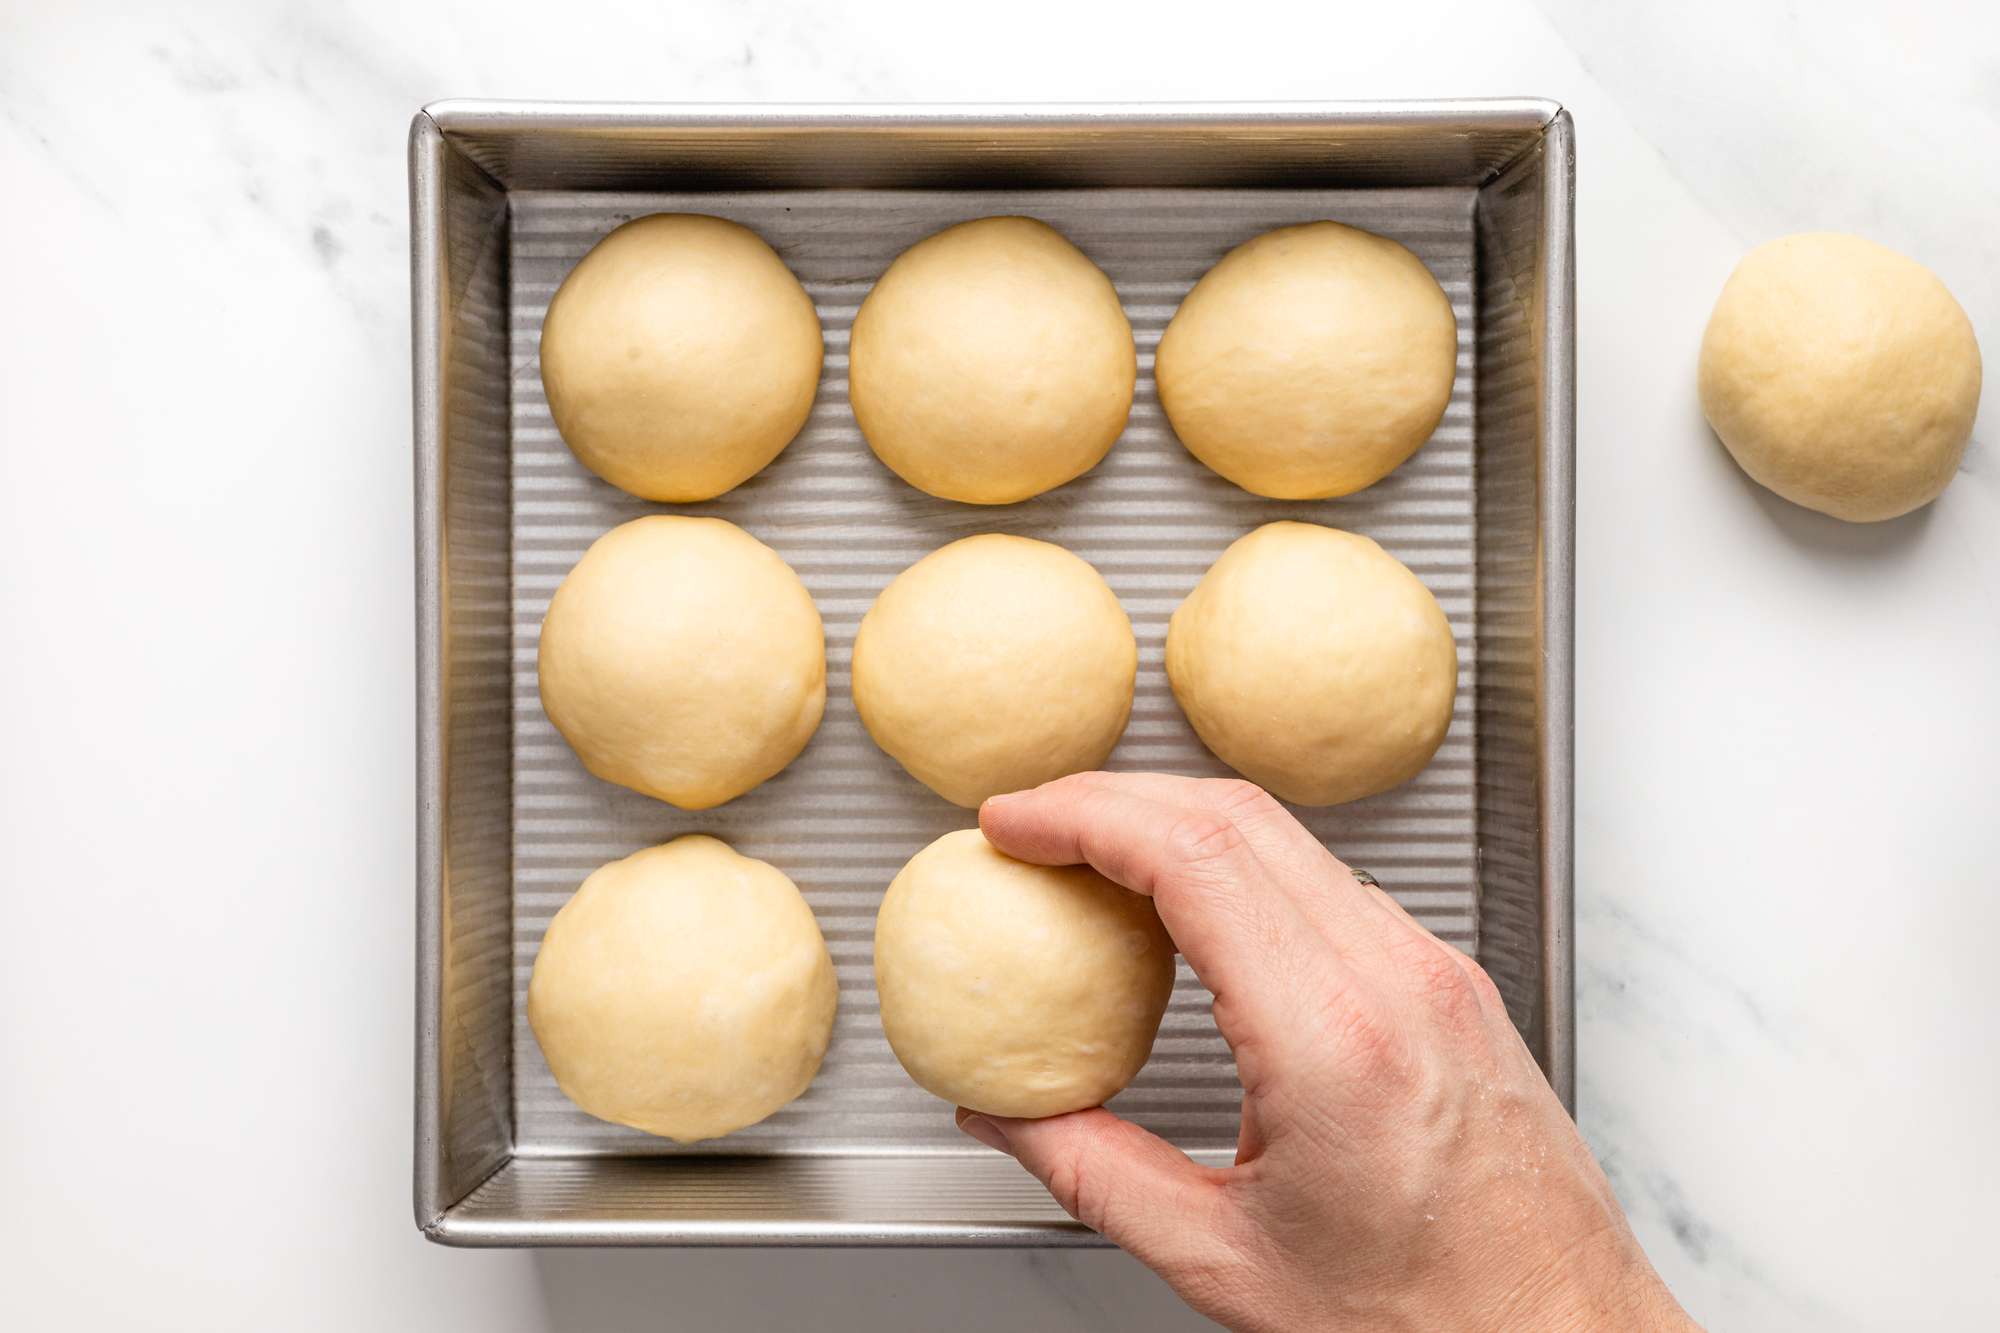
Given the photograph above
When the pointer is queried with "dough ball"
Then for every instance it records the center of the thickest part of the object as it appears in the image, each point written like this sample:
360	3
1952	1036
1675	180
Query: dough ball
1314	663
683	658
1310	362
993	664
991	362
1017	989
679	356
684	990
1841	375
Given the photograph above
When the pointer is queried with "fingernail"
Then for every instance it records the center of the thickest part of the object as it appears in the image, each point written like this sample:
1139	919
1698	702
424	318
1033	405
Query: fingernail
979	1127
1005	798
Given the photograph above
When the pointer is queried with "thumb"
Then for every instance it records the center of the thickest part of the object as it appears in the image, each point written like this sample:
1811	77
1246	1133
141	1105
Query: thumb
1126	1183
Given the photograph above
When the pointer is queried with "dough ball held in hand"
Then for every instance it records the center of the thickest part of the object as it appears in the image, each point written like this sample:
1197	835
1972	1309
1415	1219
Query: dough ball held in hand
1841	375
680	356
683	658
1310	362
685	990
1314	663
991	362
995	664
1018	989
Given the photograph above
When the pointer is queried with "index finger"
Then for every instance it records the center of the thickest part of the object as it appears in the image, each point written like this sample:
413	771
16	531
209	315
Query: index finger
1243	935
1322	886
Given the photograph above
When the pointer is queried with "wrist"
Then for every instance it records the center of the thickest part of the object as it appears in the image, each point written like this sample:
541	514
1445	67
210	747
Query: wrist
1605	1282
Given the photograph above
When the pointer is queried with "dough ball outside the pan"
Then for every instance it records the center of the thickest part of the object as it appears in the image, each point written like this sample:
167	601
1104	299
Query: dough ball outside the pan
685	990
994	664
1314	663
680	356
683	658
991	362
1310	362
1841	375
1018	989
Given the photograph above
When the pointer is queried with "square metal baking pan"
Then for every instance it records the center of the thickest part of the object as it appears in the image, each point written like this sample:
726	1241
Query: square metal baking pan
506	196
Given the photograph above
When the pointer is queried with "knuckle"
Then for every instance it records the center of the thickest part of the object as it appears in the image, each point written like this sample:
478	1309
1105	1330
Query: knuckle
1064	1181
1483	987
1079	1191
1367	1038
1241	798
1202	836
1444	984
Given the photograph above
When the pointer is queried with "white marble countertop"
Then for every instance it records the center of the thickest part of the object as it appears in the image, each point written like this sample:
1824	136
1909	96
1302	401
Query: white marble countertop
1789	802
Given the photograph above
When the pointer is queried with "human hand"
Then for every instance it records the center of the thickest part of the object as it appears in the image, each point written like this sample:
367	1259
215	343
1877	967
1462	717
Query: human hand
1402	1162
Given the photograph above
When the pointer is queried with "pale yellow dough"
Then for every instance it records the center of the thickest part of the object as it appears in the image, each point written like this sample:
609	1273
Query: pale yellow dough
991	362
1314	663
1310	362
1841	375
684	990
683	658
1017	989
994	664
680	356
